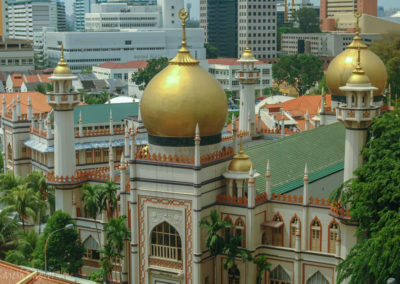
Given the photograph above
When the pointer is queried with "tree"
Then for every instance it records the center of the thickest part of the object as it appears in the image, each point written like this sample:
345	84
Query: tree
270	91
91	204
300	71
373	198
64	249
8	226
87	70
91	99
23	200
107	198
211	51
44	88
24	246
387	48
144	75
262	267
308	20
232	249
117	234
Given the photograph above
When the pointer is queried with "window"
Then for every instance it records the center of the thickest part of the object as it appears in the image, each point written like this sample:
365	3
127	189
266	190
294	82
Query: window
293	229
277	233
89	156
333	235
234	276
92	249
9	152
317	278
166	242
118	153
97	156
315	235
77	157
279	276
228	231
105	155
239	230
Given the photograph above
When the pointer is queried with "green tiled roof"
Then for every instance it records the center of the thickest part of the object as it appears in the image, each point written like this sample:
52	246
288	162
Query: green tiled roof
101	113
321	148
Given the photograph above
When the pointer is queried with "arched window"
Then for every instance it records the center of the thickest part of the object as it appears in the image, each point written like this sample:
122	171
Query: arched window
264	239
293	228
166	242
277	233
228	231
234	276
279	276
9	152
315	235
317	278
92	249
333	234
239	230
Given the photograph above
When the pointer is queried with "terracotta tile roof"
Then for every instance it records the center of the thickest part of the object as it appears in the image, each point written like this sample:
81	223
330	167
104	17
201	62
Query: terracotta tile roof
11	273
228	61
17	80
45	77
39	102
31	79
300	105
126	65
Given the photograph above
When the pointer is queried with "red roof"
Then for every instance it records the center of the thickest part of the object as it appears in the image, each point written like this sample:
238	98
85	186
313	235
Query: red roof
17	80
127	65
229	61
31	78
39	102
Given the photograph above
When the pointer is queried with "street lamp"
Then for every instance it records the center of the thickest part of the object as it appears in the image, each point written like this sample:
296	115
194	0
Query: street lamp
68	226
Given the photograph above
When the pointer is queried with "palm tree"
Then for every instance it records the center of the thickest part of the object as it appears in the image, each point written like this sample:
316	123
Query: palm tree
22	200
215	227
262	266
116	234
9	181
108	198
24	244
90	198
8	225
232	250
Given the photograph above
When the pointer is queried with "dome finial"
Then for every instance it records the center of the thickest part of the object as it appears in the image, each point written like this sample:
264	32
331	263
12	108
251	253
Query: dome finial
62	66
241	142
183	15
358	15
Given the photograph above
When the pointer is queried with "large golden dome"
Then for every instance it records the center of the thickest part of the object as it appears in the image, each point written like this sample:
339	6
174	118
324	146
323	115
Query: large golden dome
182	95
342	66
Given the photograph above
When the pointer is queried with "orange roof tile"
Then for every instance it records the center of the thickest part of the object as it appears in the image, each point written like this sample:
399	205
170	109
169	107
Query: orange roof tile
17	80
228	61
45	78
31	78
39	102
127	65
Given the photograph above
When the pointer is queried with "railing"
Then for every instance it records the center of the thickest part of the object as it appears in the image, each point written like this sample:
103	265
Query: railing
224	199
38	132
167	252
287	198
100	132
338	211
261	198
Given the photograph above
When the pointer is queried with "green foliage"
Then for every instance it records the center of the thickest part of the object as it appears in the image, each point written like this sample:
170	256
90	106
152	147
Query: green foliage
144	75
64	249
96	276
107	198
90	99
41	61
8	226
262	267
270	91
232	249
229	119
322	86
387	48
300	71
308	20
44	88
373	198
215	242
211	51
24	246
87	70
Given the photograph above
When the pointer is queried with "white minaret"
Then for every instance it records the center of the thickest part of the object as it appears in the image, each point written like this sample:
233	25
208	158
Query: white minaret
63	101
248	77
356	115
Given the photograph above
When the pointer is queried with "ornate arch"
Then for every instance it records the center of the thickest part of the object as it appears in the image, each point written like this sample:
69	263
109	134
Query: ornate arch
279	275
278	233
330	227
165	242
291	222
317	278
314	224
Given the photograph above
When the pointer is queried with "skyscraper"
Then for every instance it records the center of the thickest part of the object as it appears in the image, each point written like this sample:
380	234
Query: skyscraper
3	19
218	18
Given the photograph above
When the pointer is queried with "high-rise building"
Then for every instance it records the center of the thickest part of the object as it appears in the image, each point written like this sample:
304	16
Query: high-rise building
334	14
218	18
28	16
257	27
3	19
81	7
61	16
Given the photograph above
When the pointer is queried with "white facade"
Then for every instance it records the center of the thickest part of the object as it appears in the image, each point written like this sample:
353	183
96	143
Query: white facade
321	44
257	26
86	49
16	56
27	17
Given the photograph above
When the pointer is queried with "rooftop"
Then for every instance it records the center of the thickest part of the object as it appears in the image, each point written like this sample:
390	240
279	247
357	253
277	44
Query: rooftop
39	102
126	65
321	148
93	114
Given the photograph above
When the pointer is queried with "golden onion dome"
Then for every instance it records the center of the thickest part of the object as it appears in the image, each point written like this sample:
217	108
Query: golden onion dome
182	95
240	162
247	54
62	66
342	66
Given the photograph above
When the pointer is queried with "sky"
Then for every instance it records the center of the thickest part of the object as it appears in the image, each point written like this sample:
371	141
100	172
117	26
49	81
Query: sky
196	5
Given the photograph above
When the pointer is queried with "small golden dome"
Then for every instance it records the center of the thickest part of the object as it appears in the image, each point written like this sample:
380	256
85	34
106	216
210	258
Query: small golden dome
247	54
62	66
240	162
342	66
357	78
183	95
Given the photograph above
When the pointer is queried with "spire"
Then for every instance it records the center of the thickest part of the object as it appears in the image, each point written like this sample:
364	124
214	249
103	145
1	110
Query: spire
241	143
357	41
183	57
197	146
80	125
305	186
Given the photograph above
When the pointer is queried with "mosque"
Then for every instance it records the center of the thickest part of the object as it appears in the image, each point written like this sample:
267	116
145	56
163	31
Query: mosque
174	164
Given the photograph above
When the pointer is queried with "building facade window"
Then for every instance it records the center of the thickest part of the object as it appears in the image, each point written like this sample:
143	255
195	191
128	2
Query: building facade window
240	230
293	228
333	235
279	276
166	242
277	233
89	156
234	276
317	278
92	249
315	235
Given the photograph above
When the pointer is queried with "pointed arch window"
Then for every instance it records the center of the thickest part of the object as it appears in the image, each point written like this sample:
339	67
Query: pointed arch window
333	235
317	278
92	249
240	230
315	235
277	233
234	276
293	228
166	242
279	276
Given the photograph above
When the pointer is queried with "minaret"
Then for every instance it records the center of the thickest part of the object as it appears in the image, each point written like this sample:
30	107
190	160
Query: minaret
356	115
63	101
248	77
